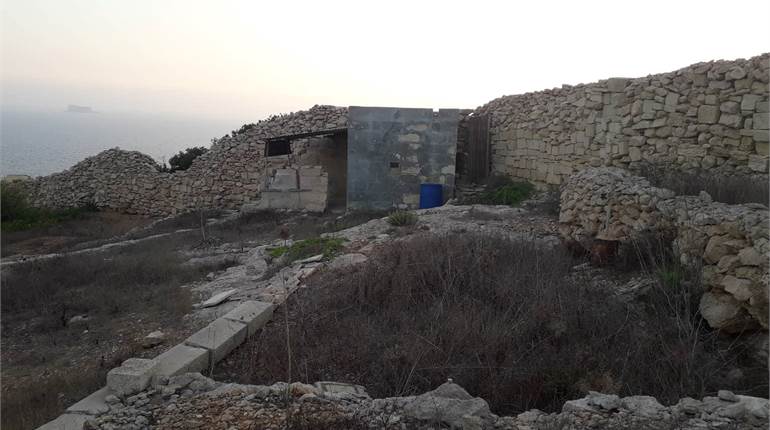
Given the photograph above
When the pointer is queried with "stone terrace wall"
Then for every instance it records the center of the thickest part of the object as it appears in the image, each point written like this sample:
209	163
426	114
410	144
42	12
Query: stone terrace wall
730	242
710	115
230	174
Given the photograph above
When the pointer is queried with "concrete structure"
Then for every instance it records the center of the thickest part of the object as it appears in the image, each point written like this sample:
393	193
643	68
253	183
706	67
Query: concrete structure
391	151
134	375
252	313
219	338
182	359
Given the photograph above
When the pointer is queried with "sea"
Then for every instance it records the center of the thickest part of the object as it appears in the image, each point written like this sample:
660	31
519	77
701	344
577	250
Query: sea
40	143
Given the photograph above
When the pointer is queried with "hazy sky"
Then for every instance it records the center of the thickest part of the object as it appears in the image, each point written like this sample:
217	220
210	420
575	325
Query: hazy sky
247	59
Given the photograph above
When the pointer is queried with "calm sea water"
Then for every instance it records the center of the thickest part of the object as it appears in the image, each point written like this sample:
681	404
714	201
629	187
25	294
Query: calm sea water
40	143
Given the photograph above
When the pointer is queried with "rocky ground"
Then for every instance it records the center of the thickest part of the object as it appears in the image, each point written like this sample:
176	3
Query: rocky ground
193	401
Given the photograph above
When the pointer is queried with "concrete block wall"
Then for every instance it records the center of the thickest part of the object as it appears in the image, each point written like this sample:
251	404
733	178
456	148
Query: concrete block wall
710	115
391	151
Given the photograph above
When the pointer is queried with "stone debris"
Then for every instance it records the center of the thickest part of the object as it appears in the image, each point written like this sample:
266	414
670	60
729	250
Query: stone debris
194	401
218	298
153	339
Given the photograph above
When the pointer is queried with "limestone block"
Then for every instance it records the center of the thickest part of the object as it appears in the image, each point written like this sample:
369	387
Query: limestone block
757	163
252	313
729	107
339	387
749	101
219	338
731	120
132	376
617	84
708	114
738	287
182	359
671	99
761	121
721	311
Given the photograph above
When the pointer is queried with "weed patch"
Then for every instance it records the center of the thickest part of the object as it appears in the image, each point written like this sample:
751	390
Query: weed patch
402	218
327	246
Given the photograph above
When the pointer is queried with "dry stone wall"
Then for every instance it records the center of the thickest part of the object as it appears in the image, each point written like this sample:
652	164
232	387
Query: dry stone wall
731	243
230	174
710	115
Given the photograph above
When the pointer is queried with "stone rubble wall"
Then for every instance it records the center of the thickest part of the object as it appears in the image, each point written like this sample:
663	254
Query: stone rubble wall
230	174
731	243
710	115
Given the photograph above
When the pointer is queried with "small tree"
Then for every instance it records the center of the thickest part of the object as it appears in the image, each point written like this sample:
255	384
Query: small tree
183	160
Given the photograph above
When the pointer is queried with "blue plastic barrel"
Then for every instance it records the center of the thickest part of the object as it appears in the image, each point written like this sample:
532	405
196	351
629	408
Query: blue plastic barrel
431	195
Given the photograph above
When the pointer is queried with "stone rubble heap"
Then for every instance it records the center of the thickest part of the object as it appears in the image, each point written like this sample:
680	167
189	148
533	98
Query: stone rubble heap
194	401
710	115
230	174
730	242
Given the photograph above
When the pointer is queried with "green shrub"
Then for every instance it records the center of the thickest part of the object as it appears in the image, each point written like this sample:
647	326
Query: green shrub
13	202
402	218
183	160
327	246
18	215
509	194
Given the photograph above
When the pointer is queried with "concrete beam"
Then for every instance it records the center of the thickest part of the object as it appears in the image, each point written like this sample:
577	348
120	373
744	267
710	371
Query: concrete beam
252	313
133	376
219	338
182	359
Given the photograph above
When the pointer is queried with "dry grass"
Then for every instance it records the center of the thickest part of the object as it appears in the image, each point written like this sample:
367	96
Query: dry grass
48	365
505	320
142	277
734	189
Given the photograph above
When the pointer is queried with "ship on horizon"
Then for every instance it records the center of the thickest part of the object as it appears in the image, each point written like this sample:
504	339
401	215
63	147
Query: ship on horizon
80	109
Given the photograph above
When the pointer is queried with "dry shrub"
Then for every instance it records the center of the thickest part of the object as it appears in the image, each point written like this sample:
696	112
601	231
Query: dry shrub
46	399
143	277
730	189
504	319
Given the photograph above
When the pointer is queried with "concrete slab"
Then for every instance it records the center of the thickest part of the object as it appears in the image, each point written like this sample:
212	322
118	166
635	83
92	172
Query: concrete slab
218	298
66	422
94	404
182	359
220	337
132	376
252	313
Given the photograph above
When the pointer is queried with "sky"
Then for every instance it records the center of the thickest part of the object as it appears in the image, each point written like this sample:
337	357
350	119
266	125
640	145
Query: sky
244	60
